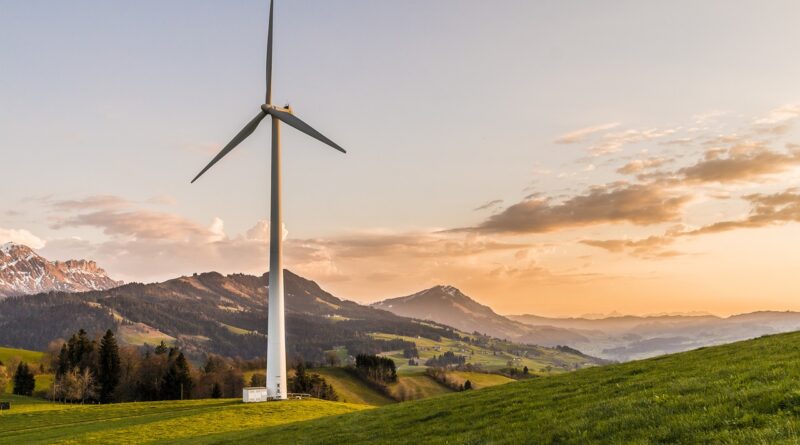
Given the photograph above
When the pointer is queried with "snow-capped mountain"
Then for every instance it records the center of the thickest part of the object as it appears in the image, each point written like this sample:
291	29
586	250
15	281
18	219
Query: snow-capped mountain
23	271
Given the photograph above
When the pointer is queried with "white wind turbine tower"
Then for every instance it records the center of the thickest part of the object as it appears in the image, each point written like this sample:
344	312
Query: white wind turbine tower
276	348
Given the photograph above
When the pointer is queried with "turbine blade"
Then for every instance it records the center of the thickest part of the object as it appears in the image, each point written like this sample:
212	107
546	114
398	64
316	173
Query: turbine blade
242	135
294	121
269	55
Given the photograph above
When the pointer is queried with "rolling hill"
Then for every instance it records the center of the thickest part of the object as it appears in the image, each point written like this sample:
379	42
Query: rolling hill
746	392
206	313
448	305
226	315
631	337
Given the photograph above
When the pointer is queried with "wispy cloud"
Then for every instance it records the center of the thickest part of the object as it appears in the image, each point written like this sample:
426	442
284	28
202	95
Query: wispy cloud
583	133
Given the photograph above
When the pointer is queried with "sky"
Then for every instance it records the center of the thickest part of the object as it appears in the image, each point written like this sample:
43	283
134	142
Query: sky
555	158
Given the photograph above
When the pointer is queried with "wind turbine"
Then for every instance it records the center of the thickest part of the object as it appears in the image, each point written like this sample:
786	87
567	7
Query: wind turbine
276	348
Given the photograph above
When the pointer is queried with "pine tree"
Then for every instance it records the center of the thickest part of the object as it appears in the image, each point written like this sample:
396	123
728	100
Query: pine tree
178	380
24	380
162	348
216	391
109	370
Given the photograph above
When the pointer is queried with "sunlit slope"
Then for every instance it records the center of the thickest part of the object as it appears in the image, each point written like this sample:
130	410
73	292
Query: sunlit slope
350	389
32	421
33	359
747	392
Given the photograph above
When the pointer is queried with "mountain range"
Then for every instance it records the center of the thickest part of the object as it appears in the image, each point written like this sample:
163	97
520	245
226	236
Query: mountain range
619	338
226	314
23	271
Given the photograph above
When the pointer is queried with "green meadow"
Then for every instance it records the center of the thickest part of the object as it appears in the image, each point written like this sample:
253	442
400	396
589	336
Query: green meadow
32	421
746	392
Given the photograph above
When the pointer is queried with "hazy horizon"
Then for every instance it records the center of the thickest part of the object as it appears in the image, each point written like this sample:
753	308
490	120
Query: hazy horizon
556	159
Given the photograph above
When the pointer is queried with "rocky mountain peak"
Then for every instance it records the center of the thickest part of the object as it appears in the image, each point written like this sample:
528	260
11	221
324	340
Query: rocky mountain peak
23	271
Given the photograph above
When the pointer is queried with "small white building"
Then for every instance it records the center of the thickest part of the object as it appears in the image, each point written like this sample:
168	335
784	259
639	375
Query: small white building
251	395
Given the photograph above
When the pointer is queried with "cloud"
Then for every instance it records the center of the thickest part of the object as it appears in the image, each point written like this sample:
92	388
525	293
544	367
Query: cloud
141	224
583	133
489	205
613	142
21	236
638	165
777	121
91	202
740	163
765	210
639	204
648	248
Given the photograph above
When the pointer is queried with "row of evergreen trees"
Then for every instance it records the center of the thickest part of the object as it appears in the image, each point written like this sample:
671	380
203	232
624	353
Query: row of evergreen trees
376	368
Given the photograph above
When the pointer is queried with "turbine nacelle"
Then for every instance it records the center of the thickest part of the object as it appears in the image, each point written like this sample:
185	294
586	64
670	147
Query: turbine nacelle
267	107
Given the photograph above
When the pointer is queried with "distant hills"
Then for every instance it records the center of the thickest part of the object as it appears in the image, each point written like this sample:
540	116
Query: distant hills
633	337
227	315
205	313
23	271
620	338
449	306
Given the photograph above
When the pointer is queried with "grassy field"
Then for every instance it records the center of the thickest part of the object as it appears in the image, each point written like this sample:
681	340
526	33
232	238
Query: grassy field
479	379
31	421
351	389
33	358
747	392
547	362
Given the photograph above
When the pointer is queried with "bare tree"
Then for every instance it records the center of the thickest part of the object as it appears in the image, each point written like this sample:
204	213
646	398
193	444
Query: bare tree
4	378
86	385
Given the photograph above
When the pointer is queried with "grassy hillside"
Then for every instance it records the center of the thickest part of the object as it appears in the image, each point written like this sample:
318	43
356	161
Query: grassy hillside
747	392
31	421
539	360
34	358
351	389
415	386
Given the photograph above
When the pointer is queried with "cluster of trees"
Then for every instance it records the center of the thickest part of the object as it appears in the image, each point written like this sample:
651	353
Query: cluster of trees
88	370
411	351
222	377
519	374
377	372
313	384
445	360
101	371
376	368
441	375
